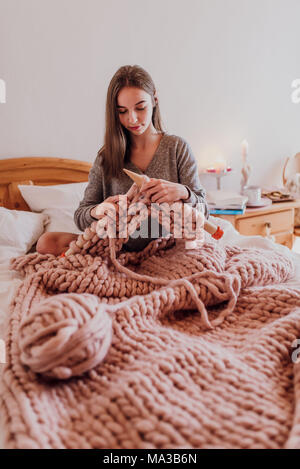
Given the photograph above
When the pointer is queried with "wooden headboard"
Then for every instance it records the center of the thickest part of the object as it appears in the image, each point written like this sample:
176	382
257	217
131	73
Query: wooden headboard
37	170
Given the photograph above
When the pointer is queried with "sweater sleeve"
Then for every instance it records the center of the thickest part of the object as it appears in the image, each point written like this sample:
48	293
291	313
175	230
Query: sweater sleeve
188	176
93	196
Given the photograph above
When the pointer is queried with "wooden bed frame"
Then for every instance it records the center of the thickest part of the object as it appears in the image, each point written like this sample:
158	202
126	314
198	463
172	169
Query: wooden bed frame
37	170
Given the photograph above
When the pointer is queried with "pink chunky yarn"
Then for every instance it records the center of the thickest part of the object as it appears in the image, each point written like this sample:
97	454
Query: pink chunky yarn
61	346
200	354
65	335
56	338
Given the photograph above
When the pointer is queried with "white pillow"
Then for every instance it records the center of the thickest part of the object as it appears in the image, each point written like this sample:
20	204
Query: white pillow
19	231
59	202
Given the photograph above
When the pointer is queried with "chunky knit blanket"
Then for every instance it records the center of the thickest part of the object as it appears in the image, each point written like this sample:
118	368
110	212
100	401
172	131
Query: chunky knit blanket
164	348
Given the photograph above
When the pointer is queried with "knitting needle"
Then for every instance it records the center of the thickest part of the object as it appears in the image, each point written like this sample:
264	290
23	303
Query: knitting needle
137	178
215	231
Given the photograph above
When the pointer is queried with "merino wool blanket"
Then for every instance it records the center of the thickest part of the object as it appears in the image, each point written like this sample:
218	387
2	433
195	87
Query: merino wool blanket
164	348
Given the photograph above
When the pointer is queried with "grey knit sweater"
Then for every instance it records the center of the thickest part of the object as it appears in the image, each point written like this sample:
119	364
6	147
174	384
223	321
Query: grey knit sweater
172	161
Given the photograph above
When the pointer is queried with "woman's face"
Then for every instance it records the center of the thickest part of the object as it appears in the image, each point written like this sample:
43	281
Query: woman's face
135	109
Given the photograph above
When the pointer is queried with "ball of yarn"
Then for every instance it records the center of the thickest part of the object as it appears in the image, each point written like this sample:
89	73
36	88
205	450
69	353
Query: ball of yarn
65	335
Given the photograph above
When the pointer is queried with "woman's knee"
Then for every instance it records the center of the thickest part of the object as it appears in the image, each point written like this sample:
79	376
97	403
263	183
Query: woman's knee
54	243
47	243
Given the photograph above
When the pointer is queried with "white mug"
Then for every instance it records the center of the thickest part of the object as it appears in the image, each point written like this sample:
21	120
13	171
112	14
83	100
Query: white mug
253	193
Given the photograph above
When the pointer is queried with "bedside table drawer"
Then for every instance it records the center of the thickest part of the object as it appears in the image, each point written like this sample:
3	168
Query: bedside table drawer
256	225
287	239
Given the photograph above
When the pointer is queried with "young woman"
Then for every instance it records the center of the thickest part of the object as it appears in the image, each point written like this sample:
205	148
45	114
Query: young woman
134	139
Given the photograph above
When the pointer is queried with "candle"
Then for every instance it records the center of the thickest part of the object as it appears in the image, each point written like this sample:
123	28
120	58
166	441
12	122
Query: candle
245	148
220	164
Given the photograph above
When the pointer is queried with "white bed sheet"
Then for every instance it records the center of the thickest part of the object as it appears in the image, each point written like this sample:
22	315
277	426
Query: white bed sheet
231	236
10	280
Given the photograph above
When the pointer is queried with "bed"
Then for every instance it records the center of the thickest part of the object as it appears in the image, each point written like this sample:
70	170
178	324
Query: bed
46	171
41	171
38	171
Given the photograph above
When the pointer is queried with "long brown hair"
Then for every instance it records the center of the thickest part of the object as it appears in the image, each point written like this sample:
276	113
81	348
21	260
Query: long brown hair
116	148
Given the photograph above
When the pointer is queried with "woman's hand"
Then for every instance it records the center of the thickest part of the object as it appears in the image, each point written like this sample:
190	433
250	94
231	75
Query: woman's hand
159	191
112	198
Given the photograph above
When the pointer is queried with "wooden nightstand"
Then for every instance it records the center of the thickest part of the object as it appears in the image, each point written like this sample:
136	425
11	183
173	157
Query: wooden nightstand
278	217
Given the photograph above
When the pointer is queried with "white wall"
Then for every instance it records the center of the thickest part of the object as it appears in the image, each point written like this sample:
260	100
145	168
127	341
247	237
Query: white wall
223	70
